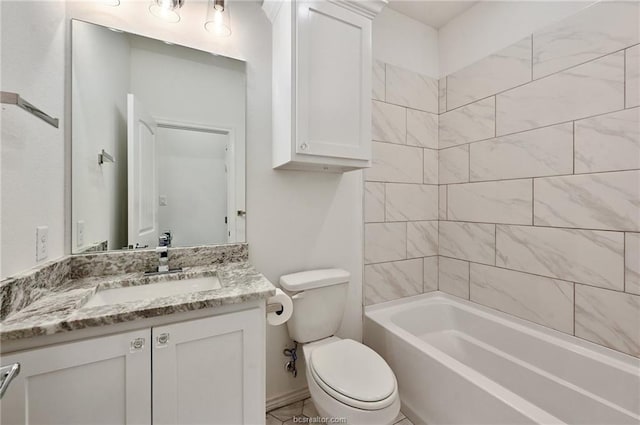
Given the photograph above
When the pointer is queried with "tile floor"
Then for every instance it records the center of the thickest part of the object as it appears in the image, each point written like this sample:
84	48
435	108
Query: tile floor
305	409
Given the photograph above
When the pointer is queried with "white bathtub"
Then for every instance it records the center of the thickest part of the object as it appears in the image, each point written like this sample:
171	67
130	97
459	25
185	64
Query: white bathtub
460	363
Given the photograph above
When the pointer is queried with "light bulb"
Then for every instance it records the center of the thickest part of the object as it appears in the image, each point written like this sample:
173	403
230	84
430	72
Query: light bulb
218	19
166	10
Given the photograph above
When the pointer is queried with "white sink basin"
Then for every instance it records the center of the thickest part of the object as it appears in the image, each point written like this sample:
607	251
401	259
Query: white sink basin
152	290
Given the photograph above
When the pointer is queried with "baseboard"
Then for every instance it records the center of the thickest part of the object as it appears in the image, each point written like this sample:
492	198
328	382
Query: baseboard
287	398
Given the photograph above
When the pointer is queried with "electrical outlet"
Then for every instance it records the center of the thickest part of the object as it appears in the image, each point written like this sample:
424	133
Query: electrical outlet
42	242
80	233
163	200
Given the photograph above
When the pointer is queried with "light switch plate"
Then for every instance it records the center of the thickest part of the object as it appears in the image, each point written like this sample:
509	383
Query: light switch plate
42	242
80	233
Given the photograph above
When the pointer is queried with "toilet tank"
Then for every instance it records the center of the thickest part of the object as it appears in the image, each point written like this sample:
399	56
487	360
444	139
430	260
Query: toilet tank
319	298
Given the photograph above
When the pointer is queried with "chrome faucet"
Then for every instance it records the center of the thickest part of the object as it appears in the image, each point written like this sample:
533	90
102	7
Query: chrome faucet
163	259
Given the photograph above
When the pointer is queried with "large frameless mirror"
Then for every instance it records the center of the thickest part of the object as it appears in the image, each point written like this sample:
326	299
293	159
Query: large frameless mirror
158	143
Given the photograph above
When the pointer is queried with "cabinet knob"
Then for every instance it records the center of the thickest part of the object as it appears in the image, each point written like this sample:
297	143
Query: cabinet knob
162	339
137	344
304	146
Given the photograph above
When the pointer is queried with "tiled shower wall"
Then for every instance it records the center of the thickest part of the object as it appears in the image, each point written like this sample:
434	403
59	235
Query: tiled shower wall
401	188
539	174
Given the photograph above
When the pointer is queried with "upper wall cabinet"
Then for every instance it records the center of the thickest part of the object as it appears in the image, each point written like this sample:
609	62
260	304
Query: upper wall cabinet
322	83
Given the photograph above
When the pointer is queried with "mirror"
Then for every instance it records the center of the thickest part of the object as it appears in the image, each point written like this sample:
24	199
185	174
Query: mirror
158	143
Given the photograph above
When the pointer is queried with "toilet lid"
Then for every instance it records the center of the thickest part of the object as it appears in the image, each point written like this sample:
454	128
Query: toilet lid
354	371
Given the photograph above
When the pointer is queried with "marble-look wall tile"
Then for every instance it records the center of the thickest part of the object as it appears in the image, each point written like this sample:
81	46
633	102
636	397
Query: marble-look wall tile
632	263
373	202
608	142
389	123
390	281
430	274
586	256
411	89
596	31
467	241
411	202
548	302
453	165
508	202
632	77
378	80
430	166
608	318
453	277
545	151
594	88
422	239
503	70
385	242
475	121
442	95
395	163
422	129
609	201
442	202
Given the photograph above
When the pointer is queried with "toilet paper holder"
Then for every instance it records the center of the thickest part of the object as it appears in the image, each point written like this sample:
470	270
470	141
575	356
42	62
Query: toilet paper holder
275	308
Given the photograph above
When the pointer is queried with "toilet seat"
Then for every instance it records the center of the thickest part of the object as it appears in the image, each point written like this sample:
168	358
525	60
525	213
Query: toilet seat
353	374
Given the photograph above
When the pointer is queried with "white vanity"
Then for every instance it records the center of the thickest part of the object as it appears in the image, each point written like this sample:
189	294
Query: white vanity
191	357
208	370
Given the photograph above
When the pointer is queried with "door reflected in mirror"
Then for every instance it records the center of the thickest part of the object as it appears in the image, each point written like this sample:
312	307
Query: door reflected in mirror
158	143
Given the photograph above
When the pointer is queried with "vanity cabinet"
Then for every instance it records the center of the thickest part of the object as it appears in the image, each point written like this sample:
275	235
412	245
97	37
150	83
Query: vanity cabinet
321	83
104	380
208	370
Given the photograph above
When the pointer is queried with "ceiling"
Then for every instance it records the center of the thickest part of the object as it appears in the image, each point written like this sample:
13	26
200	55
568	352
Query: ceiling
433	13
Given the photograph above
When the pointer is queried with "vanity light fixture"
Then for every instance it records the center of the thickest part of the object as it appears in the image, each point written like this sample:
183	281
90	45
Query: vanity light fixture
218	18
167	10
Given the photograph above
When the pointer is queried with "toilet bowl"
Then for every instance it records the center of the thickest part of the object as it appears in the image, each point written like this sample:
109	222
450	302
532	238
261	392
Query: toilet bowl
347	380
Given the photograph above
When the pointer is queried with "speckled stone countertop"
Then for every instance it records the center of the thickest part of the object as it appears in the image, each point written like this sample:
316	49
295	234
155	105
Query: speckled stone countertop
59	308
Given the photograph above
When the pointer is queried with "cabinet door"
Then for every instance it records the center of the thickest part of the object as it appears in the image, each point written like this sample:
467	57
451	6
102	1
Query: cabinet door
104	380
333	81
210	370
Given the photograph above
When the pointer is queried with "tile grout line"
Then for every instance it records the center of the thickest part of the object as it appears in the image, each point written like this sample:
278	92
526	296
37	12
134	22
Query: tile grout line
533	202
539	226
568	281
573	148
533	128
511	178
624	262
624	79
574	309
531	58
542	77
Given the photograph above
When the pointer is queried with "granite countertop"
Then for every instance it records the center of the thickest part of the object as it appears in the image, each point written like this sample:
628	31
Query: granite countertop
60	308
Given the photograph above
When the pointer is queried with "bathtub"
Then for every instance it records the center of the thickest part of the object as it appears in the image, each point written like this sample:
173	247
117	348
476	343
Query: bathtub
461	363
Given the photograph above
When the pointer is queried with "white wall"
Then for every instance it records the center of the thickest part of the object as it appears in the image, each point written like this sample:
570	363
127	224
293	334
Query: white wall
490	26
100	82
405	42
193	181
32	35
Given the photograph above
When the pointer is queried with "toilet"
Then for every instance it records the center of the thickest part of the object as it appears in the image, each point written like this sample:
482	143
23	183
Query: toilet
346	378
